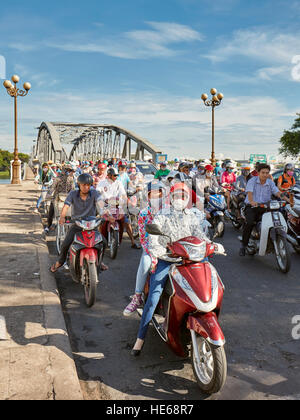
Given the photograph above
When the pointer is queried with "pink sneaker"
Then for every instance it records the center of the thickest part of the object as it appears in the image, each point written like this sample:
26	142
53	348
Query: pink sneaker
133	305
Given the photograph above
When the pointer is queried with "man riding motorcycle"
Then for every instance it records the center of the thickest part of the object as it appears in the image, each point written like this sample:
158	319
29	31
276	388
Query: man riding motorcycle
259	191
63	184
85	202
112	189
180	222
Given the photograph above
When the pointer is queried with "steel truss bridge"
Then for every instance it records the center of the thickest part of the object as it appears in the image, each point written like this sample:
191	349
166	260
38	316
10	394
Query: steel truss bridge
89	142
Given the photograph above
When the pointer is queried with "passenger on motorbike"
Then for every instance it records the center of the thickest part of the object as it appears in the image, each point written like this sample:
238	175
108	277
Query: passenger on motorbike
63	184
111	189
259	191
100	175
180	222
123	175
287	179
85	202
156	202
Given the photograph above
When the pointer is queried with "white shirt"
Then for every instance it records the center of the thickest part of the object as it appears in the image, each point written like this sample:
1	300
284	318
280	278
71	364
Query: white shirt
113	190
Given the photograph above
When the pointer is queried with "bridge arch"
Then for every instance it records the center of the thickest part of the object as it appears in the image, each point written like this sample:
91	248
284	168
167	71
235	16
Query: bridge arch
90	142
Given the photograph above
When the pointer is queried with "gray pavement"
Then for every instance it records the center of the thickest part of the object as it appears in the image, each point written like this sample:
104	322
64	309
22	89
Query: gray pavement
259	304
36	361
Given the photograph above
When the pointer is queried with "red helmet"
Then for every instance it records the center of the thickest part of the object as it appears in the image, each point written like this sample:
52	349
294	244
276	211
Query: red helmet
102	166
180	186
209	168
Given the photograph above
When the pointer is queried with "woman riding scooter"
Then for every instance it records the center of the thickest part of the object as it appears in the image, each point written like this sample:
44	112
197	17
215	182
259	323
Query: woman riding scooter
155	203
180	222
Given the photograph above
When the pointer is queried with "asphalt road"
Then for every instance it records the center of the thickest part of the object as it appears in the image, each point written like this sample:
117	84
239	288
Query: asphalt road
258	308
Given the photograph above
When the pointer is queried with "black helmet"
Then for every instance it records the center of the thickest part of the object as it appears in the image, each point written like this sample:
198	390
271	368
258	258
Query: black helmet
155	185
112	172
85	179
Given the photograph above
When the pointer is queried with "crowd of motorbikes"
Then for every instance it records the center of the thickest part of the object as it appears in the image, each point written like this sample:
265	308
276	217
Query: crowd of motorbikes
187	314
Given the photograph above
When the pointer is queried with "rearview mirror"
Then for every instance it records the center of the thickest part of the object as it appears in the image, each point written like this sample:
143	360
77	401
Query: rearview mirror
153	229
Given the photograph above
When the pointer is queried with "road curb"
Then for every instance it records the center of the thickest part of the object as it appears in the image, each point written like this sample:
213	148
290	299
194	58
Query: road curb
66	384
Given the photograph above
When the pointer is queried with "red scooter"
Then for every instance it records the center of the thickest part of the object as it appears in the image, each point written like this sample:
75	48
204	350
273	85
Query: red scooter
189	308
113	232
85	257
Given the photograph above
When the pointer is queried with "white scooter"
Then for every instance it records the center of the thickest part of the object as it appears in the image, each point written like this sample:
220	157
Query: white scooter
270	236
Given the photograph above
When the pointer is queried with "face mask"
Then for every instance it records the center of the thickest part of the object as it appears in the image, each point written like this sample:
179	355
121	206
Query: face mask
229	171
45	170
201	171
179	204
290	173
208	174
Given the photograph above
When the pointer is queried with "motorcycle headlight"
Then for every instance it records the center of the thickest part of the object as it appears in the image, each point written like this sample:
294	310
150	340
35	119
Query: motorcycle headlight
195	252
274	205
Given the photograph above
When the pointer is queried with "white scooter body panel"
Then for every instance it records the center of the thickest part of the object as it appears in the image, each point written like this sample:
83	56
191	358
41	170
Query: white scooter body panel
266	225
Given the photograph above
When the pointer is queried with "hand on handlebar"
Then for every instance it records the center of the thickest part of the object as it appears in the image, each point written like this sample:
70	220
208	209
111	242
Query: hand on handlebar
62	220
253	204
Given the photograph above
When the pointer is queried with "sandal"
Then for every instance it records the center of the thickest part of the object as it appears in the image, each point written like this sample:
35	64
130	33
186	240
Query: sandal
104	267
135	246
54	267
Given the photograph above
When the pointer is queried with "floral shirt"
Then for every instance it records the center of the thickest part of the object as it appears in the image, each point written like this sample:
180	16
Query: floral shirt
177	225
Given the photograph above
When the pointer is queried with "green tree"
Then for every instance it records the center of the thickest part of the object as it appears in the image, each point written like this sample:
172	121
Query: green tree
290	141
6	157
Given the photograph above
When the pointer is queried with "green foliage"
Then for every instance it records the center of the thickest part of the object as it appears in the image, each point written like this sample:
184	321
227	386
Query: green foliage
6	157
290	141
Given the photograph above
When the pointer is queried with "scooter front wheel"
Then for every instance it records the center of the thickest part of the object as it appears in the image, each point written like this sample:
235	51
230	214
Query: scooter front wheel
90	279
209	365
282	254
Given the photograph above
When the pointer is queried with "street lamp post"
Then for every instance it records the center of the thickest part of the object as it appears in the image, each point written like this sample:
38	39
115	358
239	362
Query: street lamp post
213	102
14	92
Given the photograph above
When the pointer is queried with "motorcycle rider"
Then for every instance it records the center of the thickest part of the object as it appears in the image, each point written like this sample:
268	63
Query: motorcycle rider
44	176
287	179
240	187
85	202
228	177
100	175
62	184
163	171
112	189
259	191
178	223
155	190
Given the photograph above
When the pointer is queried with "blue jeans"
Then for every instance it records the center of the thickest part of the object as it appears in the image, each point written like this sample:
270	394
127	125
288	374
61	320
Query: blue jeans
142	273
157	284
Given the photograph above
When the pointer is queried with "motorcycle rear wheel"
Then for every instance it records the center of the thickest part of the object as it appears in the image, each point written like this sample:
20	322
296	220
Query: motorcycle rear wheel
283	258
211	371
90	282
114	243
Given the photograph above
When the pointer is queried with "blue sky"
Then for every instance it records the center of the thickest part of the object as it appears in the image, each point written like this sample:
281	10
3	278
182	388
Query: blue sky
143	65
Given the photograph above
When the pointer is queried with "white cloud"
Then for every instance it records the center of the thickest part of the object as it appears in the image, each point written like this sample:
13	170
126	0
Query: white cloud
138	44
178	125
263	46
